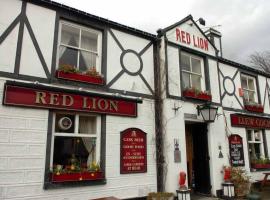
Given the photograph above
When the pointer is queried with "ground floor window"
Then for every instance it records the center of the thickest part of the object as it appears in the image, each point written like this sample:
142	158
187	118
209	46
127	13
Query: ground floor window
256	147
75	147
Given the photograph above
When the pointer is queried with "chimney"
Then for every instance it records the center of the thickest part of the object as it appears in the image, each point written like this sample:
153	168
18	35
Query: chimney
215	37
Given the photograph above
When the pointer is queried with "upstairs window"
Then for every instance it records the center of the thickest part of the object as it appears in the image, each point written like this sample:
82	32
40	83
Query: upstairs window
79	47
249	88
192	71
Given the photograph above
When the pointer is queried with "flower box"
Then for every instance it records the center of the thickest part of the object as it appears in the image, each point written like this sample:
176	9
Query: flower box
260	166
194	95
254	108
76	176
98	80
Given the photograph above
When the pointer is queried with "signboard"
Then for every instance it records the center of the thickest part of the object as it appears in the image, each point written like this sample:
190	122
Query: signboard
48	97
250	121
133	148
236	150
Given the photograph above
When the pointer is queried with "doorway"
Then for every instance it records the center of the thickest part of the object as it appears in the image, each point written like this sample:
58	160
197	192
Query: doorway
198	170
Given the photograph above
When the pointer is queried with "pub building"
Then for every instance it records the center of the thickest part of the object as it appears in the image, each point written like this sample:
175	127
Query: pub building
92	108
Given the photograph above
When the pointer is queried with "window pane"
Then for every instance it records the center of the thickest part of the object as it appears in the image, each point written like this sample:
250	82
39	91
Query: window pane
254	151
185	63
196	65
257	135
251	96
244	82
246	95
186	82
89	41
68	56
64	123
74	153
87	124
249	134
70	35
251	84
87	60
196	81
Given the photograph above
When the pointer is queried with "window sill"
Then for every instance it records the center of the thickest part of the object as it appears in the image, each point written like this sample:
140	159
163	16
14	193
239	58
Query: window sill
97	80
200	96
51	185
83	176
251	108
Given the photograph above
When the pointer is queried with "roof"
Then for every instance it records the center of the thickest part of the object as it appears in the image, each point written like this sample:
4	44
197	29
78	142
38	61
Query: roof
55	5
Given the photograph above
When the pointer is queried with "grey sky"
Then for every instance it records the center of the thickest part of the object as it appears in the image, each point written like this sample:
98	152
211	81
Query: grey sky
245	25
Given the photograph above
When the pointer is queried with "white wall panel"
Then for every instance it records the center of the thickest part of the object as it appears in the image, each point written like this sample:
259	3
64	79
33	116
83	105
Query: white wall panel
30	62
42	21
8	51
214	82
7	15
173	71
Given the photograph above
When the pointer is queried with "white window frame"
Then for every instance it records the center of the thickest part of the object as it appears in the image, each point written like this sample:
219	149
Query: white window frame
247	77
253	141
76	133
202	75
98	53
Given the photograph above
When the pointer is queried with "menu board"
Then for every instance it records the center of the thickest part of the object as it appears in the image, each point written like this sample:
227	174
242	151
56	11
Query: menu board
236	150
133	158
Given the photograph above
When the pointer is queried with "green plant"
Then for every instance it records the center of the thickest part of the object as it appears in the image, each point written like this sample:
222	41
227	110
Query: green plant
94	167
241	181
68	68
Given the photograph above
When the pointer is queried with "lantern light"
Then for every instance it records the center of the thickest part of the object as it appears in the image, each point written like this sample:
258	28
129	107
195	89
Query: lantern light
183	194
208	112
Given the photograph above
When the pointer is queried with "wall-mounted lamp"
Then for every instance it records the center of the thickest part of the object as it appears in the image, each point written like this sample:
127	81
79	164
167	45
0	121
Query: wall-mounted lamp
208	112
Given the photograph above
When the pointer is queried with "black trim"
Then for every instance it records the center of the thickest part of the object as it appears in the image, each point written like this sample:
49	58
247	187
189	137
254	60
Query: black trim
124	52
20	39
89	17
55	46
103	144
116	40
225	89
145	48
10	28
104	63
71	91
115	78
166	70
206	74
146	83
35	43
266	153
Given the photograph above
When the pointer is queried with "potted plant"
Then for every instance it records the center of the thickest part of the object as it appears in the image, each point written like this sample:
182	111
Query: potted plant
195	93
241	181
69	72
253	107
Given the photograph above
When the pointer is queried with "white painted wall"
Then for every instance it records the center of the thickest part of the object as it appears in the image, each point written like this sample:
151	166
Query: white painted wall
42	21
190	28
129	82
214	82
23	137
173	71
9	45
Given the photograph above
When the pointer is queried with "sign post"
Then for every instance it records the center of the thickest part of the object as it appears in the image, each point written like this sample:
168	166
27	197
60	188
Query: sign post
236	151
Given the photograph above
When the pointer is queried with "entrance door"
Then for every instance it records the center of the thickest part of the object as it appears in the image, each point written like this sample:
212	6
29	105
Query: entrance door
198	157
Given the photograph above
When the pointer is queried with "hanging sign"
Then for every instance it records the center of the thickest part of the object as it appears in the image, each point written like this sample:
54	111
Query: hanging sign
133	148
236	150
250	121
36	96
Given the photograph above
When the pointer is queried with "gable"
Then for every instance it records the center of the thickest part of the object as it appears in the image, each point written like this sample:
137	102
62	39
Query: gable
188	34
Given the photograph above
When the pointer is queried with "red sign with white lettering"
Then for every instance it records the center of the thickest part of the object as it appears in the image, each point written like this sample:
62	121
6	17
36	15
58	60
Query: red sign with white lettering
133	151
250	121
27	96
